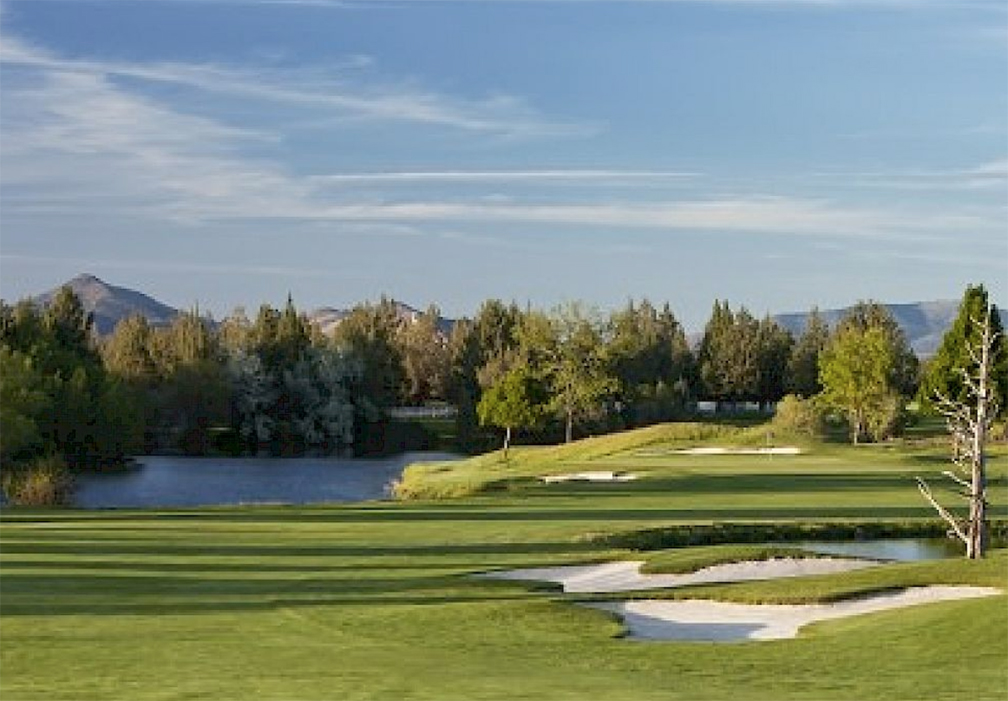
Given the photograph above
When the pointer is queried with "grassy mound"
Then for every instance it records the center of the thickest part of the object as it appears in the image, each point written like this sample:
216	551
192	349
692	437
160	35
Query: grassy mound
492	472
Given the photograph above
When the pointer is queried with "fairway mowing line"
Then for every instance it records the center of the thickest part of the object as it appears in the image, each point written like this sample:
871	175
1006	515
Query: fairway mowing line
625	575
590	476
720	621
714	450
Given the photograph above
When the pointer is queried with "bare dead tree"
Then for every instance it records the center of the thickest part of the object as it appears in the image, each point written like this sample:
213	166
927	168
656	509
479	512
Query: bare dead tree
968	423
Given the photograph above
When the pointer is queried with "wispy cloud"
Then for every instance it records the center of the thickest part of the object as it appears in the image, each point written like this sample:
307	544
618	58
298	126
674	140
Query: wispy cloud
771	214
608	177
334	92
99	264
77	141
990	175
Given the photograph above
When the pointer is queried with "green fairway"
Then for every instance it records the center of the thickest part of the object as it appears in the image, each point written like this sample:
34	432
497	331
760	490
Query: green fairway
376	601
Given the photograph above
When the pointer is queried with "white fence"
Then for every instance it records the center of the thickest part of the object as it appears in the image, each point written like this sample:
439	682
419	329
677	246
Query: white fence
423	412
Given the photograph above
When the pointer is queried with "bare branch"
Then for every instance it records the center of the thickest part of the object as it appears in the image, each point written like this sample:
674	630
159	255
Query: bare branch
955	524
971	383
958	480
974	355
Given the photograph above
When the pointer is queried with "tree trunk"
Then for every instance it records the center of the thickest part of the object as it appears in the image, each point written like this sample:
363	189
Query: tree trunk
507	441
978	483
570	425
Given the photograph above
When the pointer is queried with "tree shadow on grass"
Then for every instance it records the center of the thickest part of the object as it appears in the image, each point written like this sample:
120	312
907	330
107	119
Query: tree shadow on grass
203	606
166	594
748	483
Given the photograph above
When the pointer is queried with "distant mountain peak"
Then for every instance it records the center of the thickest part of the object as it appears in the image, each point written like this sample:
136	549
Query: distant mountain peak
109	304
87	279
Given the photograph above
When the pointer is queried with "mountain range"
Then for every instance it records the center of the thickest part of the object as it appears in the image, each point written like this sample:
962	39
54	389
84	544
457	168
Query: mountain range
924	323
110	304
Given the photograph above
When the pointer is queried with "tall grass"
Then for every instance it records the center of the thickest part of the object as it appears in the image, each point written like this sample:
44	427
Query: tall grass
45	481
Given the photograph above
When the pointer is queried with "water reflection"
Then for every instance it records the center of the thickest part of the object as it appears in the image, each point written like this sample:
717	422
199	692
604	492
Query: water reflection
900	549
165	481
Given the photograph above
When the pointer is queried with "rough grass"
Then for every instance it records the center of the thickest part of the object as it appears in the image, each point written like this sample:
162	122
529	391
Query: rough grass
685	560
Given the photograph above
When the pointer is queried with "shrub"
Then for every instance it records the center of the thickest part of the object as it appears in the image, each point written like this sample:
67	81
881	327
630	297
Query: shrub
888	419
798	416
43	482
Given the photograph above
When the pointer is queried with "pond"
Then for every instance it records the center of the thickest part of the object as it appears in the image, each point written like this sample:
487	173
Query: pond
168	481
900	549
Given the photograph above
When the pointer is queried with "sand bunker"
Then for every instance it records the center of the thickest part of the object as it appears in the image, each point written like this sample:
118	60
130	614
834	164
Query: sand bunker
626	575
595	476
722	621
711	450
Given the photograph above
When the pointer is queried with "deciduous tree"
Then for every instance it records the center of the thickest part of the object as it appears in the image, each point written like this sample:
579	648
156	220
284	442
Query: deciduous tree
516	400
854	371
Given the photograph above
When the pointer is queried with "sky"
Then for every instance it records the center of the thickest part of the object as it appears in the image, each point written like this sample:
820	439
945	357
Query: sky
779	154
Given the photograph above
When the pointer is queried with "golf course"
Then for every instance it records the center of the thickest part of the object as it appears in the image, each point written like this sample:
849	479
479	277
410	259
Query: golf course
390	599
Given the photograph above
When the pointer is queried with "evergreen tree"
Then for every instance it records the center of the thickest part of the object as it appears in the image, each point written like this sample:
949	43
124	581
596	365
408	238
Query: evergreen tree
54	364
803	363
426	358
774	345
464	387
294	390
194	393
369	334
482	349
128	352
944	373
730	356
649	357
23	402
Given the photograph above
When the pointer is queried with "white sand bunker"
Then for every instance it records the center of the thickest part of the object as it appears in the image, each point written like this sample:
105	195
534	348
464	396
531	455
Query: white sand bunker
626	575
712	450
721	621
592	476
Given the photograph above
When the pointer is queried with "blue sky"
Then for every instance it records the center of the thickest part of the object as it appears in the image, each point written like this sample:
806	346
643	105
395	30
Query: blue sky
778	153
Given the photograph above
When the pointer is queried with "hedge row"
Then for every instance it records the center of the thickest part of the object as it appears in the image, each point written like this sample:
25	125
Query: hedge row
722	533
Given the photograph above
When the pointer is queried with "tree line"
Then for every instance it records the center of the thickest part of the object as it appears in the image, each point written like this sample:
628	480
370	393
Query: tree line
276	384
